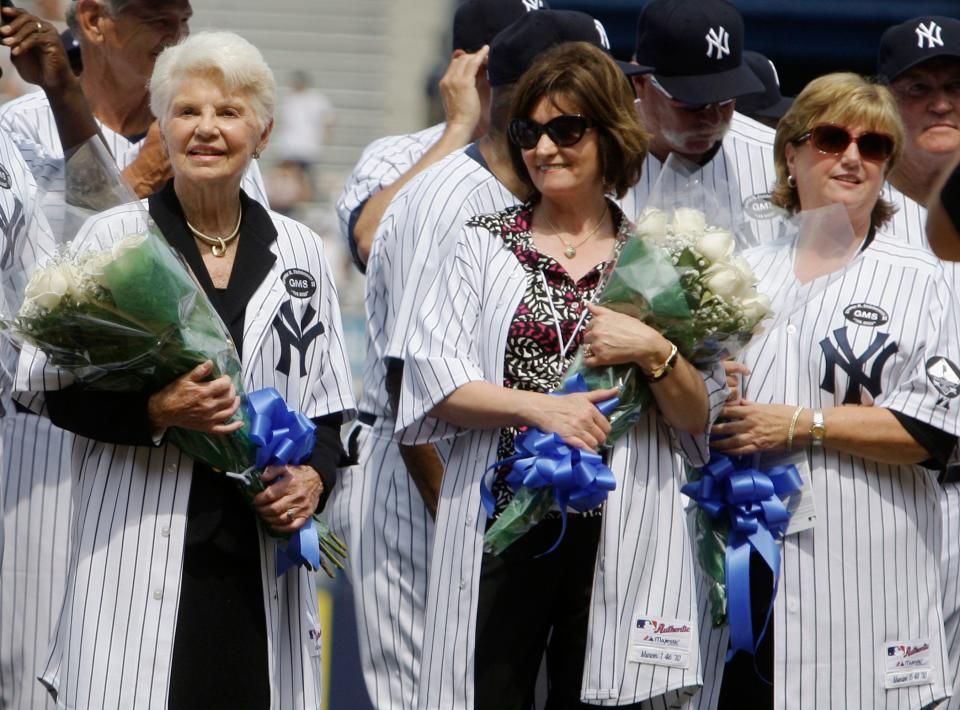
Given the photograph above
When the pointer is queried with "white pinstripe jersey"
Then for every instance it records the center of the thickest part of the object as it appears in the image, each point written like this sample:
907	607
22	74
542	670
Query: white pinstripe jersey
114	638
867	577
909	223
744	163
29	122
644	566
380	164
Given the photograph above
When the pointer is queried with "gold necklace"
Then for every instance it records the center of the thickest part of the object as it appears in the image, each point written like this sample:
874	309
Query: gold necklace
218	245
571	249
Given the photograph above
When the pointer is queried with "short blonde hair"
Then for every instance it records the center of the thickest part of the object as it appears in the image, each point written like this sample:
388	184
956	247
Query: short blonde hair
845	99
236	63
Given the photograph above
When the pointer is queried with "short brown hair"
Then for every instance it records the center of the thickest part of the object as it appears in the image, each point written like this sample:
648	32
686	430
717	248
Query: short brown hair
589	78
845	99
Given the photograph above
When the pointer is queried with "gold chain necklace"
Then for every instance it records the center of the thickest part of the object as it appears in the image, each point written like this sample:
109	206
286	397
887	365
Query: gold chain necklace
218	245
571	249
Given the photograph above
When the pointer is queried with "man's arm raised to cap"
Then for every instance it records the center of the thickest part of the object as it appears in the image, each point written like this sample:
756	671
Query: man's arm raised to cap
943	217
461	105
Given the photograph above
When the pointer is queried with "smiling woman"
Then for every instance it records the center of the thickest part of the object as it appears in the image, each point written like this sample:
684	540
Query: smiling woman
229	633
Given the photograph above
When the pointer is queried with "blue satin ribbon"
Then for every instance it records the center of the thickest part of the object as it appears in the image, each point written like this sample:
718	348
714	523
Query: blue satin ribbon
284	436
754	502
578	478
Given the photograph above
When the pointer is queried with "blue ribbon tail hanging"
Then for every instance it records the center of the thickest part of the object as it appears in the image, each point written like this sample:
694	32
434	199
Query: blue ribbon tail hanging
284	436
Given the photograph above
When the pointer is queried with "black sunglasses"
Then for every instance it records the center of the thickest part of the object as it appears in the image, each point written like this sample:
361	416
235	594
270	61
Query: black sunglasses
834	140
563	130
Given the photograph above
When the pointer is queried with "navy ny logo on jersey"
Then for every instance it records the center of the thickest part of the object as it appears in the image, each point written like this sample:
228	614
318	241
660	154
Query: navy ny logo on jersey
841	355
11	227
295	335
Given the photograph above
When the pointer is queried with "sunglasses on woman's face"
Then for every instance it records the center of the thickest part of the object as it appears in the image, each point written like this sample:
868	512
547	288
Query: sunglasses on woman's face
834	140
563	130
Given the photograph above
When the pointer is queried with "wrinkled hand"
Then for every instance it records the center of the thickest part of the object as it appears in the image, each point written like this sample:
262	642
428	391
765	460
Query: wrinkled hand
151	169
458	89
734	371
293	489
35	49
615	338
752	428
192	402
575	417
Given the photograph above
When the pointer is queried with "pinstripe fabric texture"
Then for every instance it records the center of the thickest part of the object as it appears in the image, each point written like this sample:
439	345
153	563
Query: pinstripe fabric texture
909	223
29	122
391	531
644	565
31	579
380	164
113	640
867	575
741	174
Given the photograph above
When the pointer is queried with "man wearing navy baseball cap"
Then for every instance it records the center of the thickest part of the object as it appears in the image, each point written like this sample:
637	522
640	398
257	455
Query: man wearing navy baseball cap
920	60
687	71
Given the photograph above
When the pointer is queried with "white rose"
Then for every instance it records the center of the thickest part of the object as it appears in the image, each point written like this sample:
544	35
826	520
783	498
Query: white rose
651	224
716	244
49	285
724	280
689	221
755	307
746	271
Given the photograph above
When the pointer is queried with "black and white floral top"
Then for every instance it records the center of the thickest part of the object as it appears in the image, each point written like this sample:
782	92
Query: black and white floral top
535	360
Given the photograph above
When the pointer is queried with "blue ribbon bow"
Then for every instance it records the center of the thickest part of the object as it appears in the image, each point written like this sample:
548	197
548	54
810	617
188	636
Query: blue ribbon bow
283	436
579	479
753	500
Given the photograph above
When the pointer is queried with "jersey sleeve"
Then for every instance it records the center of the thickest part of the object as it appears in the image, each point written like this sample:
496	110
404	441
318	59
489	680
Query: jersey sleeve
443	351
929	389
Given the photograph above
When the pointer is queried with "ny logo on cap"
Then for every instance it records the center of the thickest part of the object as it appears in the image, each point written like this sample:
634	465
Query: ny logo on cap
931	35
532	5
719	40
604	42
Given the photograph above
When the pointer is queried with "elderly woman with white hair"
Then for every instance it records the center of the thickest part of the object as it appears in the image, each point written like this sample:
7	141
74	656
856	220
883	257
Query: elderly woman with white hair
172	599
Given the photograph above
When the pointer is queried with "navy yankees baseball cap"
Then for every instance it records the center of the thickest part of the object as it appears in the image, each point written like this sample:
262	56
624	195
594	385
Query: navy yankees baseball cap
694	49
905	45
515	49
477	22
769	103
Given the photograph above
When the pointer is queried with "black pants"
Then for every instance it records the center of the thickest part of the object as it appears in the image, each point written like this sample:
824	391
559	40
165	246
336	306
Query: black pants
747	680
529	605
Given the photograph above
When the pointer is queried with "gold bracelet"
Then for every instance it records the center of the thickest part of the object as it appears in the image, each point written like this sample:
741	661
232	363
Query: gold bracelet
659	373
793	427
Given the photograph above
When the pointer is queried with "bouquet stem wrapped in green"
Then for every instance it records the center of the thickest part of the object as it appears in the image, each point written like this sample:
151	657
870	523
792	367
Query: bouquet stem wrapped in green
677	273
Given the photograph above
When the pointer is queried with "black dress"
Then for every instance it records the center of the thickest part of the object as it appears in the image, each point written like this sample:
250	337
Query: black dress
219	657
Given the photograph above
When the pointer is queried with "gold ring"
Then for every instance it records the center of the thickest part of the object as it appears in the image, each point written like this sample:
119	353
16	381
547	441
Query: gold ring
289	514
39	27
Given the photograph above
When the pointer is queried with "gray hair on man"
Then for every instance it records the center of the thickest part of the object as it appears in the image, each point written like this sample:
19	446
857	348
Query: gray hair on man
114	7
231	59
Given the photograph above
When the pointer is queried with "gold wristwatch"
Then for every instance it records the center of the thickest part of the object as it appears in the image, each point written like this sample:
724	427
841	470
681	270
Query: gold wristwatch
818	429
664	369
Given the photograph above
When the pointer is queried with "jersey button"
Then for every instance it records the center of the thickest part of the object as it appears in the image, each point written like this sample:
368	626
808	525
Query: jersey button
171	468
165	531
791	329
469	520
463	583
158	594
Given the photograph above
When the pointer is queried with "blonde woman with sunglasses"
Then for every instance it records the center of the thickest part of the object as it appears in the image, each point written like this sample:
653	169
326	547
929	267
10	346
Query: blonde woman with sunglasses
856	382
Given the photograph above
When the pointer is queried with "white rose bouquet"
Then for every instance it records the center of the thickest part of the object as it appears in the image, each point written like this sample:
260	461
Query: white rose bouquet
679	273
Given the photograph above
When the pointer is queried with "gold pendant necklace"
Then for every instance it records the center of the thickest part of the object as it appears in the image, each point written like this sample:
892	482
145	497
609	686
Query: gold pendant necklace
571	249
218	245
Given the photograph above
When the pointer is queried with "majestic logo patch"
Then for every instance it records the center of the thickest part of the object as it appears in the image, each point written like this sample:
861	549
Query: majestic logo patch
299	283
718	40
865	314
5	181
841	355
296	336
759	206
945	377
931	35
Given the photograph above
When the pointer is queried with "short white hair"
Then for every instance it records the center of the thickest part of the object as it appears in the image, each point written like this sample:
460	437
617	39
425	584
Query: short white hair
228	56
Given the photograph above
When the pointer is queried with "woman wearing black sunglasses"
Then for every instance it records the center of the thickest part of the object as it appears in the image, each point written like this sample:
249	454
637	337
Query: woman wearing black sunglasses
855	382
510	312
